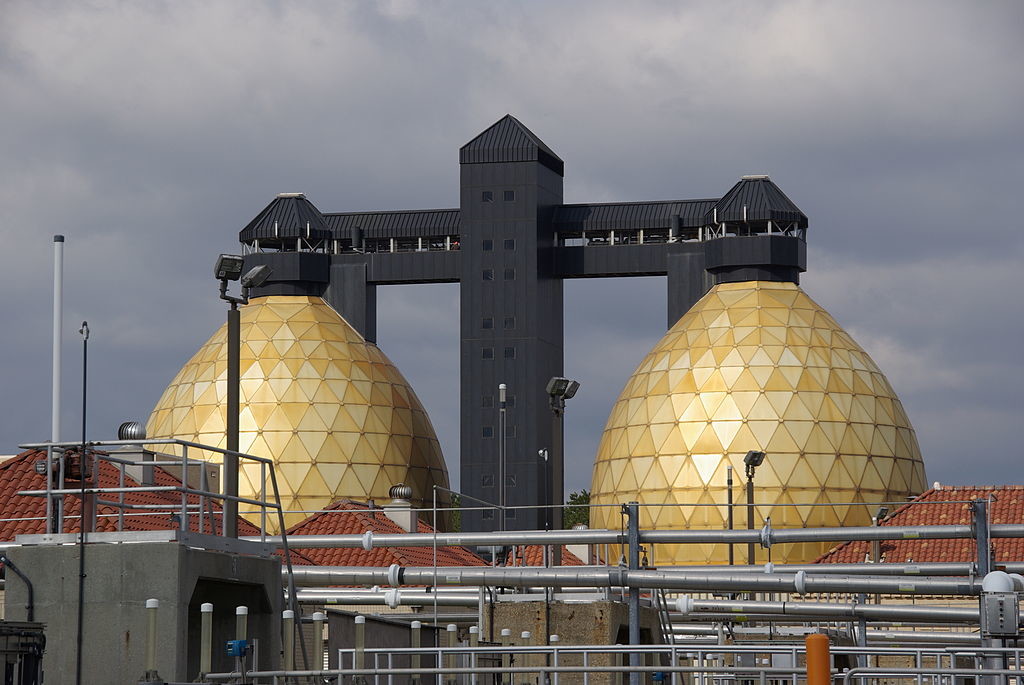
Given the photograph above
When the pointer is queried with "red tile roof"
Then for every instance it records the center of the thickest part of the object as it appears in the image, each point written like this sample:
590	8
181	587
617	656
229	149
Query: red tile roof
26	515
346	517
944	505
533	555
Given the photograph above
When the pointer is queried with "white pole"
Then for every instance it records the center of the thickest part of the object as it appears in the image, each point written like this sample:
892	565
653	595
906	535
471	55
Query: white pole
58	332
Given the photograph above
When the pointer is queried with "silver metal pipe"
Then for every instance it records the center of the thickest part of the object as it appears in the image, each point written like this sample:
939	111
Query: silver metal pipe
58	333
410	598
831	610
902	637
677	537
675	579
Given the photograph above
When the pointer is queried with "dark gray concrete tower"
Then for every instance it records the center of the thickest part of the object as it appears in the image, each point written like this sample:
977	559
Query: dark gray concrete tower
511	317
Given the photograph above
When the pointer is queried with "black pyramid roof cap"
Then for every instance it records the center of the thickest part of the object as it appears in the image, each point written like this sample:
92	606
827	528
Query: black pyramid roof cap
508	140
289	215
764	201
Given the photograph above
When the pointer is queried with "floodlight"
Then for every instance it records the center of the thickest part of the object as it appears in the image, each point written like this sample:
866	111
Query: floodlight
562	387
229	268
753	458
882	513
556	386
256	276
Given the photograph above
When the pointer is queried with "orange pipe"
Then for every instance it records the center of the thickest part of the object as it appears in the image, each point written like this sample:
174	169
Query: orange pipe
819	668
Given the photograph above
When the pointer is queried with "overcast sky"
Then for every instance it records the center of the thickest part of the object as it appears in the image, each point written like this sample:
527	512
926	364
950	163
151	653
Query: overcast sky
150	133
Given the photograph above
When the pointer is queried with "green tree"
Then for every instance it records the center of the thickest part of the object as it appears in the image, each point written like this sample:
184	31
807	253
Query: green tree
578	509
455	515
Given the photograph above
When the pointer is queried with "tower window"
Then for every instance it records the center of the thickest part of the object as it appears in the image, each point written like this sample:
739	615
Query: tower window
510	196
487	353
487	432
487	196
510	353
510	274
488	274
487	323
510	243
486	245
487	481
510	322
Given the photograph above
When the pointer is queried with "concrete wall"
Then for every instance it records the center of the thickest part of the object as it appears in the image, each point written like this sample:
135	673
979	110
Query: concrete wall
594	623
119	580
380	633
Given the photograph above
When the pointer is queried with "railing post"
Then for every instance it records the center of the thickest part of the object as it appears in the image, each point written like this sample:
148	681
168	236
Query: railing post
205	638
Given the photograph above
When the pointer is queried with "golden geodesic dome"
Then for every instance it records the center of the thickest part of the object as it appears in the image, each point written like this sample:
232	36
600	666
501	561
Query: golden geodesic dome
331	410
755	366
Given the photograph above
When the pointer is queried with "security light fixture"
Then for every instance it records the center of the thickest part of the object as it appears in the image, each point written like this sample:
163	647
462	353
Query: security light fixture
753	458
229	268
562	387
256	276
881	513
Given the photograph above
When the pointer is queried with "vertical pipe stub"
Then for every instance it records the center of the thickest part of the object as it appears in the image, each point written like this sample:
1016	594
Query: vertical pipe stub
205	638
241	623
819	667
151	607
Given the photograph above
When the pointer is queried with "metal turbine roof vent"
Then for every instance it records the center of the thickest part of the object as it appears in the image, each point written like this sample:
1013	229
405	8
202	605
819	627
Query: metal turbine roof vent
400	491
131	430
291	195
755	177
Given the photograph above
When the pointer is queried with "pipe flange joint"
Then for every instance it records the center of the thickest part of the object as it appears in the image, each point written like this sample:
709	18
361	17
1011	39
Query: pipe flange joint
800	582
392	598
368	540
684	604
766	534
395	575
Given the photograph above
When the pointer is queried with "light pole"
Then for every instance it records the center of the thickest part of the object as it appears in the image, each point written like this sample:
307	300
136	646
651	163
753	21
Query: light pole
728	487
752	460
559	390
501	455
229	268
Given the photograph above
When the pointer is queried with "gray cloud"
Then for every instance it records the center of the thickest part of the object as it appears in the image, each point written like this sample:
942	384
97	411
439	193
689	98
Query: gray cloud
150	133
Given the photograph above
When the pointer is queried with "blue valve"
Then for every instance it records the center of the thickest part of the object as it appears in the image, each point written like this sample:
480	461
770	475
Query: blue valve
237	647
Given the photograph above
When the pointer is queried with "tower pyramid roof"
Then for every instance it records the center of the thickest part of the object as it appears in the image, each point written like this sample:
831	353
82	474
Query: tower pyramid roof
764	201
289	215
508	140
